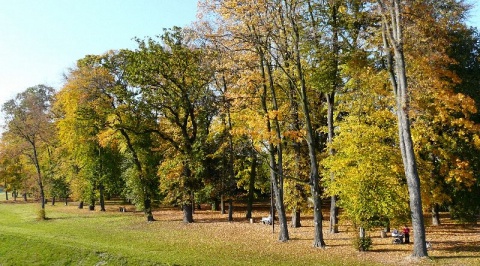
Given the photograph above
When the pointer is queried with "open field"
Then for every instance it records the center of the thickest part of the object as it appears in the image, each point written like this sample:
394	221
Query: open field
80	237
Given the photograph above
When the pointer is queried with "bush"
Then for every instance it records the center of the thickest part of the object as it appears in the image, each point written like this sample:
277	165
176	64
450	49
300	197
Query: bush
362	243
41	215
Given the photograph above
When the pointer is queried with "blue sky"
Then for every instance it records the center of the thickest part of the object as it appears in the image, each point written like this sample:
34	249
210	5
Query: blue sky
41	39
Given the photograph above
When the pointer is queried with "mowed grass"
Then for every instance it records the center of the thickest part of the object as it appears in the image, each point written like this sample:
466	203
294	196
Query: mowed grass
80	237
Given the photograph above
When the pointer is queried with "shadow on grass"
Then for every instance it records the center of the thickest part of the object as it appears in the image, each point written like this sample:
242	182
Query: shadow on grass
458	246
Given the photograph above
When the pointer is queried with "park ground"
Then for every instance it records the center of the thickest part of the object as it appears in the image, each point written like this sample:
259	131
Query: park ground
72	236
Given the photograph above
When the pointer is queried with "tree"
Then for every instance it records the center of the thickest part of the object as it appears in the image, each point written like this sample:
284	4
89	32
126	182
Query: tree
28	120
392	32
174	78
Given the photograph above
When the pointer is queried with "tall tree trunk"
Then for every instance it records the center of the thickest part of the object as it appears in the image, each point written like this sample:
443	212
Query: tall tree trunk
187	213
251	185
230	210
66	200
101	191
39	179
276	167
91	207
147	204
296	218
435	215
393	41
6	194
333	226
311	143
330	97
53	200
222	204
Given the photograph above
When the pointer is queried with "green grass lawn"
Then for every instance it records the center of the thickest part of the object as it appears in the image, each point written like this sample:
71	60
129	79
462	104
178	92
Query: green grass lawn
79	237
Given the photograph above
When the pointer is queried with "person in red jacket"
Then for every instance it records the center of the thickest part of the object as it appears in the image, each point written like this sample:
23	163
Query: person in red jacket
406	234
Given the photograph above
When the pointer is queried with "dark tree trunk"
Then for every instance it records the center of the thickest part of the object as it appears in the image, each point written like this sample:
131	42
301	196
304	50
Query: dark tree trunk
6	195
276	166
25	196
102	197
330	97
435	215
311	141
91	207
66	200
251	185
296	218
80	205
15	195
148	209
230	210
187	213
215	205
53	200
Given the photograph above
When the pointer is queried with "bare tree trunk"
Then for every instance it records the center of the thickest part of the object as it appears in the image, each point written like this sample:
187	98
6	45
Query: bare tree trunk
276	167
435	215
296	218
251	185
187	213
311	143
80	205
102	197
222	204
147	202
53	200
230	210
393	41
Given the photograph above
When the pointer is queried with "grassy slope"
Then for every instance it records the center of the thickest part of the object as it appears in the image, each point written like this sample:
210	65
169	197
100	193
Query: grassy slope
79	237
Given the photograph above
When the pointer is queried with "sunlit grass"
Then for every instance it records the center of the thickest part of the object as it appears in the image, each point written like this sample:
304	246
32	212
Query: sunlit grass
80	237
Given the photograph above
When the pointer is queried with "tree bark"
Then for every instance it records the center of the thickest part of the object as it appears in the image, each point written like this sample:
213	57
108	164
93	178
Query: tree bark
330	97
222	204
148	209
6	194
102	197
276	167
53	200
311	143
392	32
435	215
251	185
230	210
187	213
80	205
91	207
296	218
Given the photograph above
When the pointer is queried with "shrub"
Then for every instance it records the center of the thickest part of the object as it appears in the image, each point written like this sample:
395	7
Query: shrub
41	215
362	243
